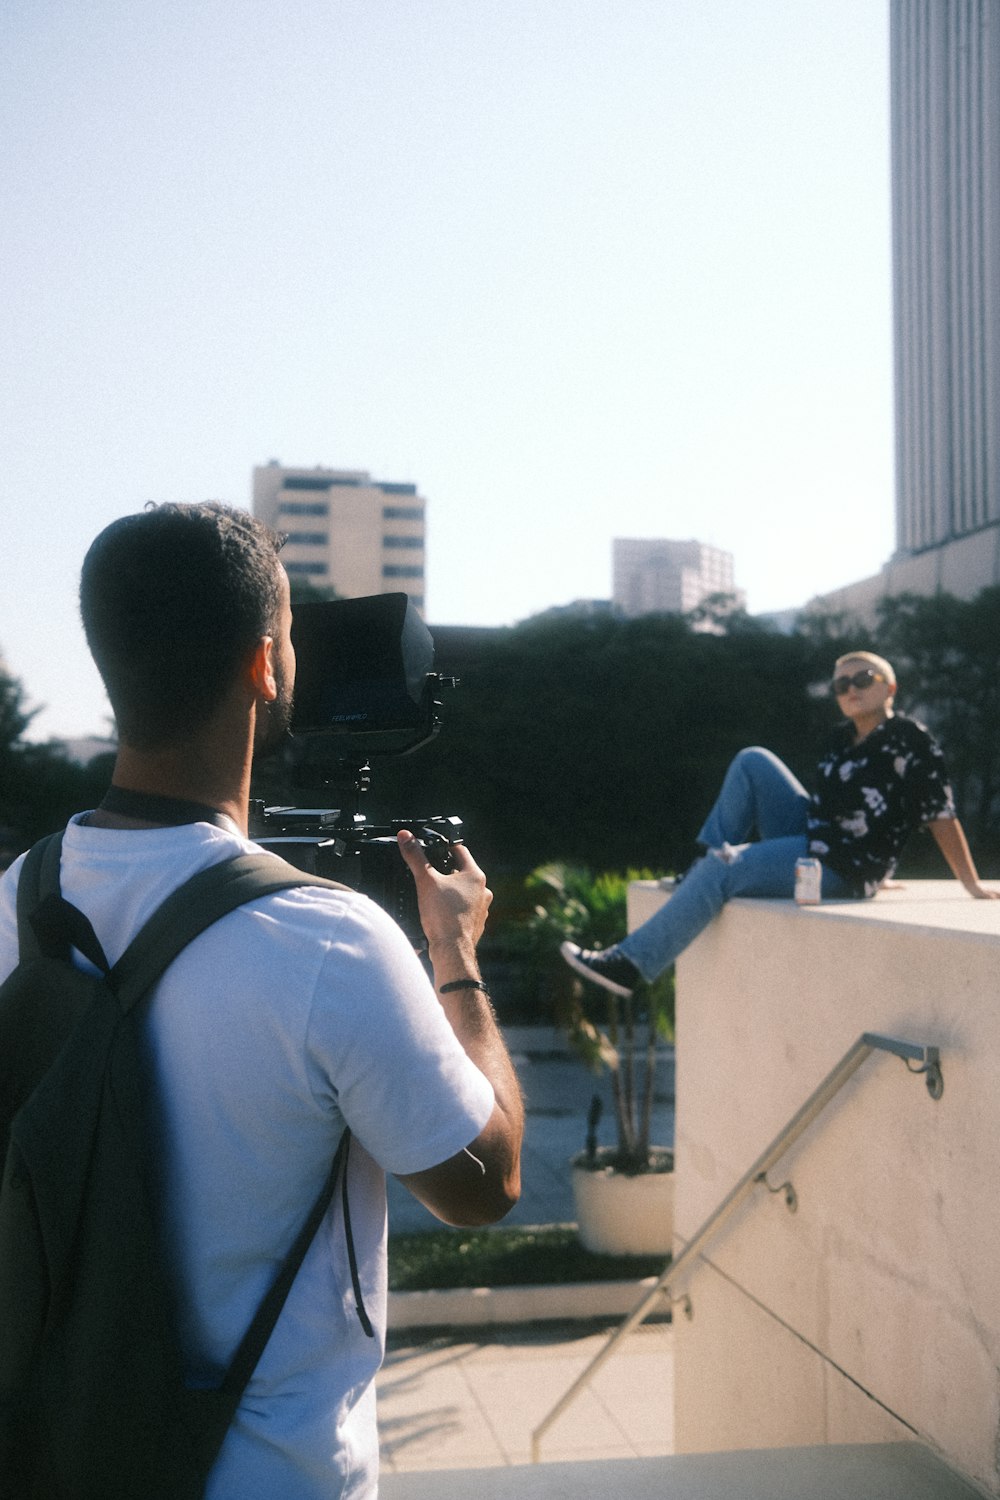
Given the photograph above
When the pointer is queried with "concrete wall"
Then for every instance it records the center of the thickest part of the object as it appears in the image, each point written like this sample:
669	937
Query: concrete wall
962	567
873	1312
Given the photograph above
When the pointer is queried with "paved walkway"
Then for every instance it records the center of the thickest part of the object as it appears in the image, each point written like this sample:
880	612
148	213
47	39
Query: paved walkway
472	1401
447	1403
558	1089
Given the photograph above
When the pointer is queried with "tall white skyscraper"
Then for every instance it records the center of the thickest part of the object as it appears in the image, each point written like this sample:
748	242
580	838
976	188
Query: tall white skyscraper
946	264
945	106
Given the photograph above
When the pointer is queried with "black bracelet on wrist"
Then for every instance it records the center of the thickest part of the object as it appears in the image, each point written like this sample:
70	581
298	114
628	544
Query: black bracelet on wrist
462	984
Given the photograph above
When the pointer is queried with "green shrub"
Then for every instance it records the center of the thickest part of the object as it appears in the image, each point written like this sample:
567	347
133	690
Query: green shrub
551	1256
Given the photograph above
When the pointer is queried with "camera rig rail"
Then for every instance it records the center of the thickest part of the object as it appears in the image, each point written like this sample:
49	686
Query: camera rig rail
360	854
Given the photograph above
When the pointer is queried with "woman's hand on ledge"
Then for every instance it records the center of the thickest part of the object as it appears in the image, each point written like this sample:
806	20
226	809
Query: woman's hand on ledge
950	839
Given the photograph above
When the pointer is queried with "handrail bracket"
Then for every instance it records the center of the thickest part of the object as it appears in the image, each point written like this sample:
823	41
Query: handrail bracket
911	1052
791	1196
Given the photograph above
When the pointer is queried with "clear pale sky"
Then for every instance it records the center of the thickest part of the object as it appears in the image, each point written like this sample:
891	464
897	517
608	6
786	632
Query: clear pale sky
578	268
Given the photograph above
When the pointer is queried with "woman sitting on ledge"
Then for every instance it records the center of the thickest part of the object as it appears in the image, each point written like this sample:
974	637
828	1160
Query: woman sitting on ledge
883	776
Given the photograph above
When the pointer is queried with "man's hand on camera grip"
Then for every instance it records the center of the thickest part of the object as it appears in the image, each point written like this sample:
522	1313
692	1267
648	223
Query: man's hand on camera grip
453	907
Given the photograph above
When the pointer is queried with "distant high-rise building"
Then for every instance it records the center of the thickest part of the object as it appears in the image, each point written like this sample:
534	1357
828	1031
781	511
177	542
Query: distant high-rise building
345	530
946	264
945	107
651	576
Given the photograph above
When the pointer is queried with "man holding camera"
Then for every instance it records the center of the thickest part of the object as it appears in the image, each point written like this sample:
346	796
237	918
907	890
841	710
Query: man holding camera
287	1020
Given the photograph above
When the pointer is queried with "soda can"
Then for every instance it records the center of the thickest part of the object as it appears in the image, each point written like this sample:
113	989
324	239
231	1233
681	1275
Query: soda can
808	879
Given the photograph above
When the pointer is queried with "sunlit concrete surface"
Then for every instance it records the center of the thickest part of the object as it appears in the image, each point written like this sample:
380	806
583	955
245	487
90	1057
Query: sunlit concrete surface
456	1403
891	1472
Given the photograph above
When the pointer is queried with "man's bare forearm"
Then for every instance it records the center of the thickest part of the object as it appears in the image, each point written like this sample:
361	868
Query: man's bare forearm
482	1183
471	1016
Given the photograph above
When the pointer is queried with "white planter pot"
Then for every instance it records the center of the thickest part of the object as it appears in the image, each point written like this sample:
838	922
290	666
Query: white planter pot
617	1214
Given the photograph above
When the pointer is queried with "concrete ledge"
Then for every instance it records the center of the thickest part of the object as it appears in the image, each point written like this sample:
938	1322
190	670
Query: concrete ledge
893	1471
479	1307
909	906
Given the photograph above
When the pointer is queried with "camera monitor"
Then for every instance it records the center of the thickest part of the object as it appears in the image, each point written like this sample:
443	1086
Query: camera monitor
363	688
363	666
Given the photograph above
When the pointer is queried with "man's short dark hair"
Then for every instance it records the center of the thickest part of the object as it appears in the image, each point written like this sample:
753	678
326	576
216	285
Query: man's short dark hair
172	600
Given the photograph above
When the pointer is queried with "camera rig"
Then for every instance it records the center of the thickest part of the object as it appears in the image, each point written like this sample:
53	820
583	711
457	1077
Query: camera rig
364	688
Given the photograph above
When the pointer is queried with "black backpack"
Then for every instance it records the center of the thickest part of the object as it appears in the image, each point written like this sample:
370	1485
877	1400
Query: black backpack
92	1400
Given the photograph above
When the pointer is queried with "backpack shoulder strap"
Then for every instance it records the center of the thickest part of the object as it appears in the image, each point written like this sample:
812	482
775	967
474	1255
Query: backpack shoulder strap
195	906
49	926
38	879
220	1407
254	1341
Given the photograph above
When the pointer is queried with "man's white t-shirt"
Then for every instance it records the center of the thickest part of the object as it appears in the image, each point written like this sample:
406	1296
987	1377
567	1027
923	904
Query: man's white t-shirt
280	1023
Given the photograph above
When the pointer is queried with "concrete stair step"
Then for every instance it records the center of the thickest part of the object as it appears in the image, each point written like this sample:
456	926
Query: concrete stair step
890	1471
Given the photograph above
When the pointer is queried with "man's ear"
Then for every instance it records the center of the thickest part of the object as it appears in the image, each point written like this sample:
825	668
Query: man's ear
260	669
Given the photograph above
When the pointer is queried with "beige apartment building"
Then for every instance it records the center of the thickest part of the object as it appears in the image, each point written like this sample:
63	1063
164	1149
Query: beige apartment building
655	575
345	530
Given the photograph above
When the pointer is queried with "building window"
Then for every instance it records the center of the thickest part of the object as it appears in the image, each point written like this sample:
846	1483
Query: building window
306	569
307	538
412	543
398	489
395	570
306	482
402	513
303	508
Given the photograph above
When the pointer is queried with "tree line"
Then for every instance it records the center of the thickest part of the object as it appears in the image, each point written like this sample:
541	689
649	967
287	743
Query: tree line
602	741
40	787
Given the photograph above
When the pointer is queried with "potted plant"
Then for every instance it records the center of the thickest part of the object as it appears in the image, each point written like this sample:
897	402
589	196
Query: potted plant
623	1193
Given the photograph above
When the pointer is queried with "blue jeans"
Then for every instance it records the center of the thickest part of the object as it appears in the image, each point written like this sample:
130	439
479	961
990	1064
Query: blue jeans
759	799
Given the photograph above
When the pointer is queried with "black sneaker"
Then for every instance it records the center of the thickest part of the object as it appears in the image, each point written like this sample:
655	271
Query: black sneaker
606	967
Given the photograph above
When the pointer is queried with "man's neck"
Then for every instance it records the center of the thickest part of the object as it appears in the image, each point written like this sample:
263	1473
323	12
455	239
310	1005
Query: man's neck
184	773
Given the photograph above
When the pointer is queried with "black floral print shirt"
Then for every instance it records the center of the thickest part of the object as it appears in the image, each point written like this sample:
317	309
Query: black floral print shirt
870	796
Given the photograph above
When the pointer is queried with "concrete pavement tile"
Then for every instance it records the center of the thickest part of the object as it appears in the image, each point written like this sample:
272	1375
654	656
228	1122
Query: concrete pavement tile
440	1388
443	1462
448	1403
578	1453
637	1390
418	1359
520	1343
515	1398
435	1425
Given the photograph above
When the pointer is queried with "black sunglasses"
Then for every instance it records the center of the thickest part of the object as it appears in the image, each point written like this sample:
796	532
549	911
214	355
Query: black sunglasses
862	679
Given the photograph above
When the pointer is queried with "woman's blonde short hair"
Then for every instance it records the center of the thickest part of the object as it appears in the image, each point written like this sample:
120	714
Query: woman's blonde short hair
878	662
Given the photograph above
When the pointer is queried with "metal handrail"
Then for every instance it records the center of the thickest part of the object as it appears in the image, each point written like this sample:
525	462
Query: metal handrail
835	1080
